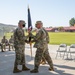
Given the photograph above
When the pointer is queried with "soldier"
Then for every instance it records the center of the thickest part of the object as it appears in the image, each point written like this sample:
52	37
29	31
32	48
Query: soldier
41	43
43	60
4	42
19	45
11	42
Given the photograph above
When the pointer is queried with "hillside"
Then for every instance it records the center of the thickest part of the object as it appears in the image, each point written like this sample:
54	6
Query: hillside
6	27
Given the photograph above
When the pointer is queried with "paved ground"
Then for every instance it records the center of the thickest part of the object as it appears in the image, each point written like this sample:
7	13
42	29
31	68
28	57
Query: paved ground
61	66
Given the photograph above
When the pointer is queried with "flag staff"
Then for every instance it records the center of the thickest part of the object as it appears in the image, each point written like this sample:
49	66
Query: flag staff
29	28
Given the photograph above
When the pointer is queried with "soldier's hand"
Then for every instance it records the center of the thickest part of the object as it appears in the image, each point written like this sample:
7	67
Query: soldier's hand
26	41
30	35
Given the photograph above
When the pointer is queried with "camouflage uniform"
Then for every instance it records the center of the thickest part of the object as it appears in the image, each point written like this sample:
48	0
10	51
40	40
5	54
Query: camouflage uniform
43	60
41	43
11	42
19	45
4	43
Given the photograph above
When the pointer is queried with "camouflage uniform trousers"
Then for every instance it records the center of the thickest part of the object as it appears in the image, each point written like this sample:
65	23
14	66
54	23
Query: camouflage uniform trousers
1	47
11	45
38	57
43	59
4	46
20	56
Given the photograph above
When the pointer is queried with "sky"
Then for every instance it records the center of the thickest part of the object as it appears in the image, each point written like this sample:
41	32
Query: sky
53	13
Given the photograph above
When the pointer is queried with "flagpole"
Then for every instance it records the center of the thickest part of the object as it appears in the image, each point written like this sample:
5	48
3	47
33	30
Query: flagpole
31	48
29	29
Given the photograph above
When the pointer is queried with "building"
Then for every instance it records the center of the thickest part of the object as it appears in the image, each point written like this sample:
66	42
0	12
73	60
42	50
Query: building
64	29
69	29
51	29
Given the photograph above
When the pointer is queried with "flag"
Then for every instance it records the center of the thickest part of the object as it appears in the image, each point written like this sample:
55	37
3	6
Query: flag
29	22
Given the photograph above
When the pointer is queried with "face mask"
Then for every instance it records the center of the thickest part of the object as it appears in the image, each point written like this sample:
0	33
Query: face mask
23	25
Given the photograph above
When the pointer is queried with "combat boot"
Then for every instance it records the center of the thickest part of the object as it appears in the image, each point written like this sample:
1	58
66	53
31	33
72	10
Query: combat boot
51	69
34	71
24	68
16	70
43	62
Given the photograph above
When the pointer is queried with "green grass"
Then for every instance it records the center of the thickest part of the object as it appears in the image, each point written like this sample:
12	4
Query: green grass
56	37
8	35
62	37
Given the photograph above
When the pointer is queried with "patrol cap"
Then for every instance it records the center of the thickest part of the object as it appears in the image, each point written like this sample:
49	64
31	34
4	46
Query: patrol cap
22	21
38	22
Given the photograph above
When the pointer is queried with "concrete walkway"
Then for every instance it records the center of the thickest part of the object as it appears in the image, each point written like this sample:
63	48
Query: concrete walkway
61	66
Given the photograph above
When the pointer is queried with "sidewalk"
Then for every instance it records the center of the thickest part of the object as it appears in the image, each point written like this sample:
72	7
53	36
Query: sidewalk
61	66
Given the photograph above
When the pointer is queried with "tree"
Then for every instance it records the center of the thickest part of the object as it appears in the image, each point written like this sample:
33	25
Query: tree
60	28
72	22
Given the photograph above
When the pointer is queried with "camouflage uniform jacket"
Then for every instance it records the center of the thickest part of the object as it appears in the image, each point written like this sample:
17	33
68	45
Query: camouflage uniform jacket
11	40
47	36
40	39
19	37
4	42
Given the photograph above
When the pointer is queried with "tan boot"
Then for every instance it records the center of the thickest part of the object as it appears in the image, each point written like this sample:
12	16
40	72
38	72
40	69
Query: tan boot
16	70
24	68
34	71
43	62
51	69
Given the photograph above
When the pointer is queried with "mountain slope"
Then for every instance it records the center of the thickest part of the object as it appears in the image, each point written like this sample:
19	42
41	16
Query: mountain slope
6	27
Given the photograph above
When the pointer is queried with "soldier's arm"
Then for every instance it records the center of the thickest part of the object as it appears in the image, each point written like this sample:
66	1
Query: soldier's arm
37	36
47	37
48	40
